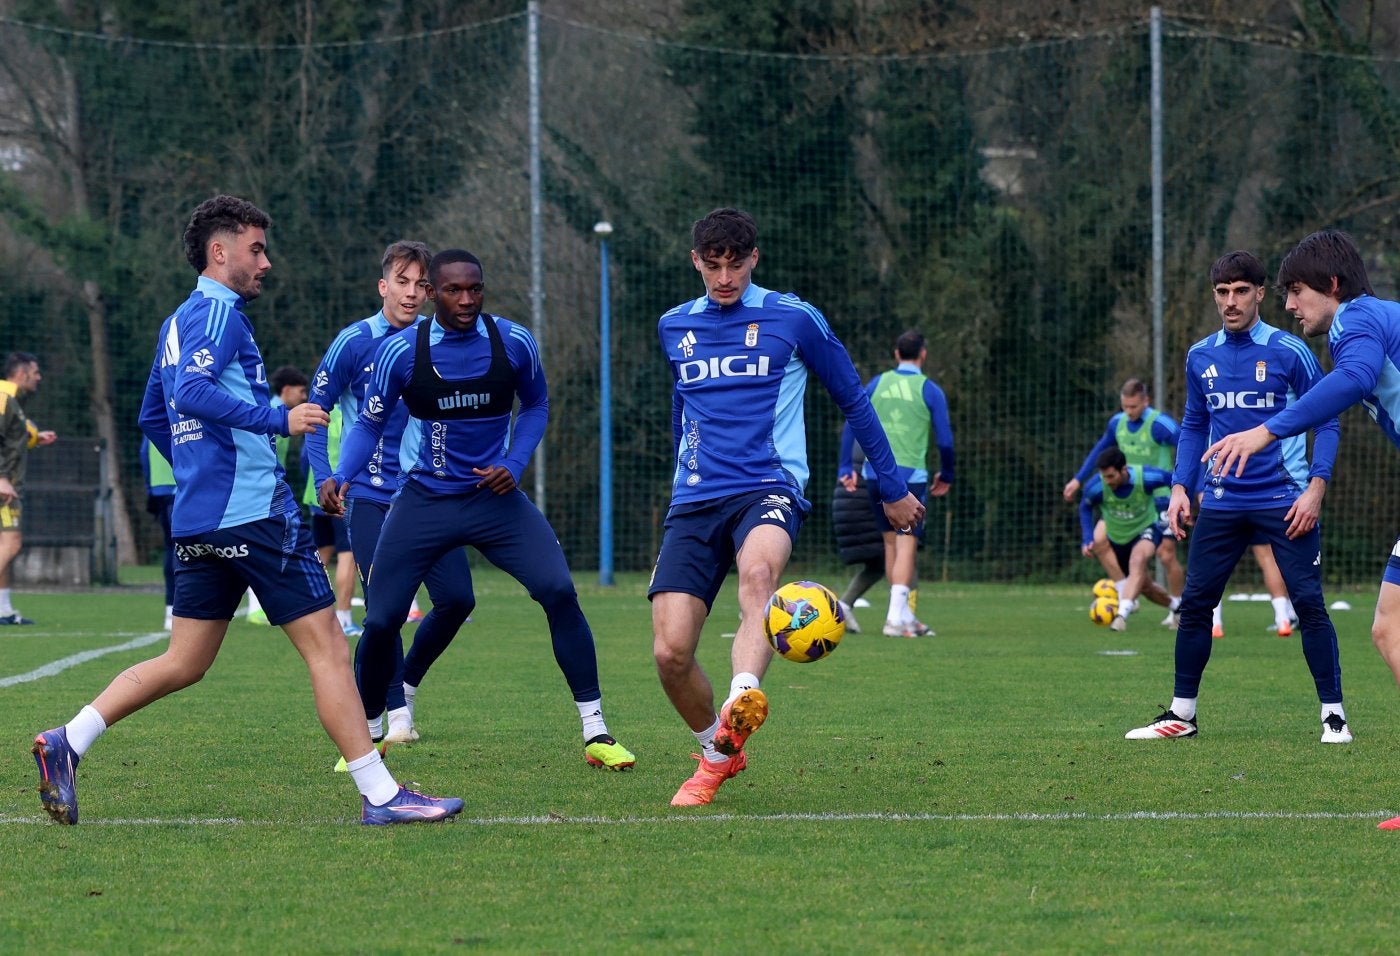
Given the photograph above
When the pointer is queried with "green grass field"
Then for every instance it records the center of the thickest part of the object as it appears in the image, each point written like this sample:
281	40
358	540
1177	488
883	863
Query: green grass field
966	793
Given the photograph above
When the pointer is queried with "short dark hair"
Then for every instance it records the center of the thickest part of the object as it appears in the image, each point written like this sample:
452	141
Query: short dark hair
726	230
909	345
1238	266
219	214
445	258
17	360
1318	259
403	253
1135	387
1111	457
287	375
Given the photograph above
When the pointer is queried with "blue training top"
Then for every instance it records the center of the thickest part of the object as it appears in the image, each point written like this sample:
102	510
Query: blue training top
1235	381
740	374
340	384
440	454
1365	343
207	410
1165	431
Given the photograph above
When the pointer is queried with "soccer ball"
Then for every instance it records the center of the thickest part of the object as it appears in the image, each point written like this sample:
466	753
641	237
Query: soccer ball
1103	588
804	621
1103	610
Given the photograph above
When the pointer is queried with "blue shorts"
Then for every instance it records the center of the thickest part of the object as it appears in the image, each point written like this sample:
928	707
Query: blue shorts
701	540
1392	567
273	556
919	489
327	531
1123	552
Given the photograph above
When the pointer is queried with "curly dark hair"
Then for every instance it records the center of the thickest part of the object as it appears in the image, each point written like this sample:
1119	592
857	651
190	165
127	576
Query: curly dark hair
219	214
723	231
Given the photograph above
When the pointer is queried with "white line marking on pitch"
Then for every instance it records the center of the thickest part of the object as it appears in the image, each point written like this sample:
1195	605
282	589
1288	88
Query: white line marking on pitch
62	664
554	820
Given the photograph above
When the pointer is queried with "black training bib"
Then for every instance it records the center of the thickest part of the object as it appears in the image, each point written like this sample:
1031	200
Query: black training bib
430	398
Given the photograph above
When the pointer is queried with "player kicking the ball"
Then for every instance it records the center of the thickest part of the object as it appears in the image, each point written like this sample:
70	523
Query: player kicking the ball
740	355
235	523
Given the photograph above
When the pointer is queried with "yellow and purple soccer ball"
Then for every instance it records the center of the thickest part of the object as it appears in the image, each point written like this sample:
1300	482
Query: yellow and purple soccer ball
804	621
1104	588
1103	610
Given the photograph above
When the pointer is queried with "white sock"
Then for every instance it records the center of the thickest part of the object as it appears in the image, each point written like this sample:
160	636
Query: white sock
376	784
344	618
5	606
1326	709
1119	585
253	603
899	603
400	715
1174	604
1281	609
1215	618
742	681
413	607
376	727
706	739
409	693
85	727
1127	606
1184	707
1292	611
591	713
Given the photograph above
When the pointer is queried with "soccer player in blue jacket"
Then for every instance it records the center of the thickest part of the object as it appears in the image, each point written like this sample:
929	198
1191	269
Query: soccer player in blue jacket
459	374
340	386
1328	291
235	522
1236	377
740	355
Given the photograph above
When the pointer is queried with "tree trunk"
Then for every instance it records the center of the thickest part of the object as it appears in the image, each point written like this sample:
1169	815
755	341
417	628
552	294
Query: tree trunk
102	402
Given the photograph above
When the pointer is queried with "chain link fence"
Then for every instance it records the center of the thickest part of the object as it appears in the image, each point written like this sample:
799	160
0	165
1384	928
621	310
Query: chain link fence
998	200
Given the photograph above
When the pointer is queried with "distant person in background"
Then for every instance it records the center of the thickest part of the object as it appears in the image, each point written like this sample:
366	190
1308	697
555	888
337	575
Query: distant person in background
1147	437
332	537
160	501
288	386
17	435
858	539
1125	497
910	406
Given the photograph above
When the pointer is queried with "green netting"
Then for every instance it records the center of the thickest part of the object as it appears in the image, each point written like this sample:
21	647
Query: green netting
997	200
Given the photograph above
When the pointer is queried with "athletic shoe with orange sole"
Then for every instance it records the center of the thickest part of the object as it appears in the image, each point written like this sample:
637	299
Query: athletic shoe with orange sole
1392	824
1217	631
700	788
739	718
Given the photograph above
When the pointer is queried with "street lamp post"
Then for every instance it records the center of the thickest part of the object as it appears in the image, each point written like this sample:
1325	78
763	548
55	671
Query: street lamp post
605	465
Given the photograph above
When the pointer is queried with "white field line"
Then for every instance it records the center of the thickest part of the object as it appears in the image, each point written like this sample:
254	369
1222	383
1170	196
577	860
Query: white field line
556	820
62	664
